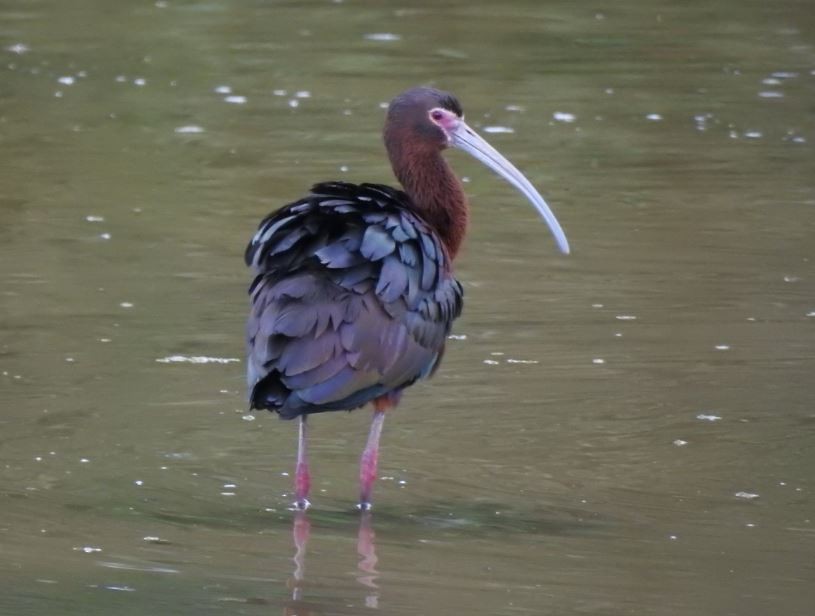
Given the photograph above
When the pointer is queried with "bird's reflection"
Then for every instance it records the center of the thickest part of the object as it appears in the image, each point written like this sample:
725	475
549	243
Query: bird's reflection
366	548
301	531
367	572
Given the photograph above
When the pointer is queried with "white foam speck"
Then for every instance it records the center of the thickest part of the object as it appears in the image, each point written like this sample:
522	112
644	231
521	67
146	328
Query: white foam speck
811	313
88	549
522	361
121	78
279	92
707	417
235	99
105	236
344	168
680	443
598	360
248	417
139	482
626	317
302	94
223	89
490	362
701	120
747	495
92	218
753	134
383	37
140	81
196	359
126	304
654	117
784	75
498	129
66	80
563	116
18	48
464	336
771	94
722	347
770	81
190	129
514	108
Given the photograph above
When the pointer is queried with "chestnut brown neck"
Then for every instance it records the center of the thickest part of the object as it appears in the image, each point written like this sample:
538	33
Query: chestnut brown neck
435	191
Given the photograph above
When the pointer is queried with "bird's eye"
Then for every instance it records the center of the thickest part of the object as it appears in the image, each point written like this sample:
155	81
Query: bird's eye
437	115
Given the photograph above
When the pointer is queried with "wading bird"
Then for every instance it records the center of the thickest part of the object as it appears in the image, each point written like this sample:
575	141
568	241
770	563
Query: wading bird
354	294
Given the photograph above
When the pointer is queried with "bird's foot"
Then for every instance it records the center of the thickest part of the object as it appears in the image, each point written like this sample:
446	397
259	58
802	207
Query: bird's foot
301	504
364	505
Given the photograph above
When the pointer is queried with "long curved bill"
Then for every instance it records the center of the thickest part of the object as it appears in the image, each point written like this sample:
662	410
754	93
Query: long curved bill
465	138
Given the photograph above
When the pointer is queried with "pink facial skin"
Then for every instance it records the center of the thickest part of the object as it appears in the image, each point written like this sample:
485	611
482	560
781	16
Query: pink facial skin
446	120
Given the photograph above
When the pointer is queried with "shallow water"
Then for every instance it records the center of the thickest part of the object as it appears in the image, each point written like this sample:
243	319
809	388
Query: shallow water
628	429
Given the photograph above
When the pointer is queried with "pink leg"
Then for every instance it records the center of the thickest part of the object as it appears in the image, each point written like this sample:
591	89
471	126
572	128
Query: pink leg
367	464
302	479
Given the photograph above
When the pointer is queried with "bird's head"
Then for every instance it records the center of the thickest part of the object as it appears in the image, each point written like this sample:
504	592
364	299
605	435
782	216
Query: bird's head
423	121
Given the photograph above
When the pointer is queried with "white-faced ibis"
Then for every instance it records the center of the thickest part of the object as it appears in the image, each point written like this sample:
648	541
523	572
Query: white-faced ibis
354	295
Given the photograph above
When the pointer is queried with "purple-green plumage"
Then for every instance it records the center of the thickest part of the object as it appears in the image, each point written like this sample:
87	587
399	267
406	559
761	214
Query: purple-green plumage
353	299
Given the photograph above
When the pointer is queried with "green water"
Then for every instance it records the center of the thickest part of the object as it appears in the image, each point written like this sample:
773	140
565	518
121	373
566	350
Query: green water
557	464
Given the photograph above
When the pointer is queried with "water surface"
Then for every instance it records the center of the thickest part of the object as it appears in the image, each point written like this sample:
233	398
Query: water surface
625	430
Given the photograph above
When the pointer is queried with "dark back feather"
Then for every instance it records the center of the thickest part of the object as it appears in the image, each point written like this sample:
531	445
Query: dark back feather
353	299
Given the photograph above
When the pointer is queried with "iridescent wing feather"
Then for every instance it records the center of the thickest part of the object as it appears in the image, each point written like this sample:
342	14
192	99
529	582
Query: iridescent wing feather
353	299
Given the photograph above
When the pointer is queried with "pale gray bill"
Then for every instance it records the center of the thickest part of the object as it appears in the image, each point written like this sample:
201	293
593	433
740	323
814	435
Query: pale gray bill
465	138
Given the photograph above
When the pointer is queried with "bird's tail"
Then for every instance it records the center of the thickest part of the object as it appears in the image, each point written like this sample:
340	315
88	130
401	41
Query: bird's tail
269	393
